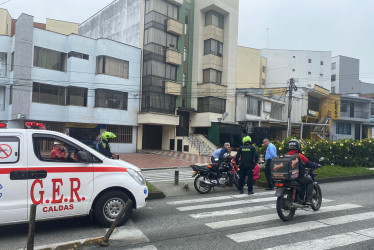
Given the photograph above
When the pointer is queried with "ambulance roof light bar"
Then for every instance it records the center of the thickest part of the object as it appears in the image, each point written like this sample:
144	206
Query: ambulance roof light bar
3	125
34	125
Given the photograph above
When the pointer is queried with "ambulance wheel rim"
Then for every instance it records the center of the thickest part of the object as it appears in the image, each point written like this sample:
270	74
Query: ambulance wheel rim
112	208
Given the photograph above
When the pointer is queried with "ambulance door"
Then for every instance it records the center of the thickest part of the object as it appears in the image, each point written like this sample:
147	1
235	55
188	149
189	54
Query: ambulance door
67	188
13	178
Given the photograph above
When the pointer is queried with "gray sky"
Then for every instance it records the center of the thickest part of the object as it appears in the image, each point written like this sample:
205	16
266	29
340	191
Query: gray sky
345	27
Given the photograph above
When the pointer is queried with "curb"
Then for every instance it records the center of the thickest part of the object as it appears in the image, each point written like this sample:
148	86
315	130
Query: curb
346	178
155	195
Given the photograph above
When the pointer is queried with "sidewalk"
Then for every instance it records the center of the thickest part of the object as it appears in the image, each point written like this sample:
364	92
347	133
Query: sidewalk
162	159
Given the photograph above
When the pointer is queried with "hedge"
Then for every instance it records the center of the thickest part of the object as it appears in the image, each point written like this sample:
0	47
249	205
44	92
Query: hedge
343	152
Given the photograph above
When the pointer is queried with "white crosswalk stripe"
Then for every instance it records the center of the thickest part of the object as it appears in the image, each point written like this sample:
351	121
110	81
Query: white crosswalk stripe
299	227
329	242
270	217
235	211
167	177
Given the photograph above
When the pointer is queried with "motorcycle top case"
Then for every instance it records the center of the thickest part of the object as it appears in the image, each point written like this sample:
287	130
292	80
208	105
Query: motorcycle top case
285	167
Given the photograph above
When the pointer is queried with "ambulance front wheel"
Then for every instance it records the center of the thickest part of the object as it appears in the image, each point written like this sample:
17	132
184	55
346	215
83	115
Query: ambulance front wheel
109	205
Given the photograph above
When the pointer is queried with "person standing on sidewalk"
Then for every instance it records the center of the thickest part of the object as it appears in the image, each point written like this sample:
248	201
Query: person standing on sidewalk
271	152
248	158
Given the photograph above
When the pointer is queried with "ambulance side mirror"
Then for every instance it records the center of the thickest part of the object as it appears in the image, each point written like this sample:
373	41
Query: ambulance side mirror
83	156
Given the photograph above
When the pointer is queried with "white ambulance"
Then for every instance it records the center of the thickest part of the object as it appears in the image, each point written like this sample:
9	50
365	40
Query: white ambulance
63	177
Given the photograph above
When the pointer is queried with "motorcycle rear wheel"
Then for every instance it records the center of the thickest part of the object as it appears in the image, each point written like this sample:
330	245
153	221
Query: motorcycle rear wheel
235	180
200	186
284	209
316	197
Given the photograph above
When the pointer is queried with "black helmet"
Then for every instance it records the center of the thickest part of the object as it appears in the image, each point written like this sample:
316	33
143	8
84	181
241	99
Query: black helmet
294	144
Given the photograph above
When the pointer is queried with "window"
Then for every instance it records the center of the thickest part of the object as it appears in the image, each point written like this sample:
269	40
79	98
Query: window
157	36
160	69
263	69
212	76
313	103
263	82
320	74
321	63
10	94
343	107
333	90
309	73
112	66
111	99
253	106
123	133
343	128
49	59
49	94
309	60
293	70
158	102
50	148
164	8
213	47
214	18
12	62
333	65
293	56
78	55
372	109
76	96
333	78
211	104
9	152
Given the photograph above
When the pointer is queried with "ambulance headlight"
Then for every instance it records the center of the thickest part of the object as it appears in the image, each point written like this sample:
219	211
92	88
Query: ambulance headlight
138	176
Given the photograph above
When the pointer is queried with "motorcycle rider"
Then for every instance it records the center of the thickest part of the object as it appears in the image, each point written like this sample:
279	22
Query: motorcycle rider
104	146
294	147
248	158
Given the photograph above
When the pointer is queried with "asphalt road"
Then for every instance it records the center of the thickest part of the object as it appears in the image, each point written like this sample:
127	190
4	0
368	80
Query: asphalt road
226	220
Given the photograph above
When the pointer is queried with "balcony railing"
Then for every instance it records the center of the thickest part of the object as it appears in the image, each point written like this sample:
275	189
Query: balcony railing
355	114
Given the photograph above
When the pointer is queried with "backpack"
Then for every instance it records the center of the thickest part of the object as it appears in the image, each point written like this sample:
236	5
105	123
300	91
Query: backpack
287	167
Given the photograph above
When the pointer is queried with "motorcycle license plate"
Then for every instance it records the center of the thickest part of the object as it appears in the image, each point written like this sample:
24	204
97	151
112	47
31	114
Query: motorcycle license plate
279	192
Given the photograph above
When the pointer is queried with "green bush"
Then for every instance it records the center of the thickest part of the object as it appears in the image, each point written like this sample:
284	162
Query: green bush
342	152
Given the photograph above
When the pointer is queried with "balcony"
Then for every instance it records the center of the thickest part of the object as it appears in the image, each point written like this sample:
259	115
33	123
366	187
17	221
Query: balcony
213	62
355	114
211	89
172	88
173	57
174	27
372	118
213	32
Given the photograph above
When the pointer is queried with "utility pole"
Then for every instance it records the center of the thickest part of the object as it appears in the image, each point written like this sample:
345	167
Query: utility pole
291	87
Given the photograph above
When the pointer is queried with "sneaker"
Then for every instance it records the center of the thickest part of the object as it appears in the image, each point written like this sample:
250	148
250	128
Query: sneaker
249	193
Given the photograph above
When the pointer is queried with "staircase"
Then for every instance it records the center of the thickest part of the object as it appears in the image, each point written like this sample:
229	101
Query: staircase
201	144
320	131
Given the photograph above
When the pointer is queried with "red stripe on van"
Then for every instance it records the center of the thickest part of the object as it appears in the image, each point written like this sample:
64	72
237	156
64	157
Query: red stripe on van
66	169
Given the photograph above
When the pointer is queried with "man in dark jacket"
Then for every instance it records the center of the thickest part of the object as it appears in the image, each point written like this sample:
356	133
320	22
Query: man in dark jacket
248	158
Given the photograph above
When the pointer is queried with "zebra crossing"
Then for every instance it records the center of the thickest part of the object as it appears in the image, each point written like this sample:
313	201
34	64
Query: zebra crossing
168	175
237	214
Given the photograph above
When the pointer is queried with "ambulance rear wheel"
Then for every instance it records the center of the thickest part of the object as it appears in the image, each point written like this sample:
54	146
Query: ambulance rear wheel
109	205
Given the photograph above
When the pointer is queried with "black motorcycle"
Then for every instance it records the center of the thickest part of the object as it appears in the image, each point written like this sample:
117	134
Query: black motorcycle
291	195
208	176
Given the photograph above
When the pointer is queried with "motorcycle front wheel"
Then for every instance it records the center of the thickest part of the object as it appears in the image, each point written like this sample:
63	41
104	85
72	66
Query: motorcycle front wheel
200	185
235	180
284	209
316	197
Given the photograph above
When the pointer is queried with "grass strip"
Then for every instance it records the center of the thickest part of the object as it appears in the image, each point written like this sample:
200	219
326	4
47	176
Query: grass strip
152	188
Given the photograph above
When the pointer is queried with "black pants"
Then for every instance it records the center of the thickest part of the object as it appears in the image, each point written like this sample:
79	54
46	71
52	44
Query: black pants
246	169
268	174
308	182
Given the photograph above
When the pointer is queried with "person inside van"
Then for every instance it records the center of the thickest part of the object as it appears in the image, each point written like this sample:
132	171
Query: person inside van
59	152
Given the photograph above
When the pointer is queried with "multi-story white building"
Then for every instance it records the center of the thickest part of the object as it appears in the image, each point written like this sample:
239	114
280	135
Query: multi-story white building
72	83
188	65
308	68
